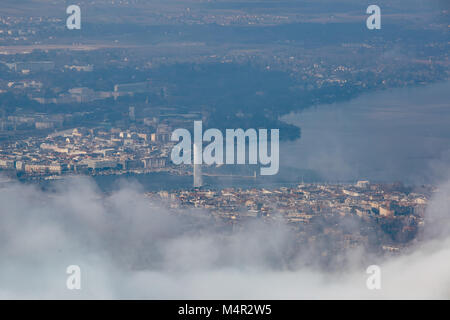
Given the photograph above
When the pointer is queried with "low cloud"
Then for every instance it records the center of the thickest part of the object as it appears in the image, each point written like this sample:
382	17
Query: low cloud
131	247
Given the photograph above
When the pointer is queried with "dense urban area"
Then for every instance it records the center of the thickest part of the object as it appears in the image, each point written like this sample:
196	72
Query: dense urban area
385	217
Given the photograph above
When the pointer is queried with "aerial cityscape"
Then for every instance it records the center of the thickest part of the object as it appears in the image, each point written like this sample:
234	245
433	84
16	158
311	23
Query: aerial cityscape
324	148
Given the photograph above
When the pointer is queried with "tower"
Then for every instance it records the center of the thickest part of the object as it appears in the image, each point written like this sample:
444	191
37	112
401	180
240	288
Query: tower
198	181
131	113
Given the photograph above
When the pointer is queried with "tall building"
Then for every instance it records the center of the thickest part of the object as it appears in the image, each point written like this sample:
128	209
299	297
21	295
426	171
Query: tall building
131	113
137	87
198	180
82	94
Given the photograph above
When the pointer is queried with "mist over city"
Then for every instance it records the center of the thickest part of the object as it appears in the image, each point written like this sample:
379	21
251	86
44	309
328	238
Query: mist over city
217	149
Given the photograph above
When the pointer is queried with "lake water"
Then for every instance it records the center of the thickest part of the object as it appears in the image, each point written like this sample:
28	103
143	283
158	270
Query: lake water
400	134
